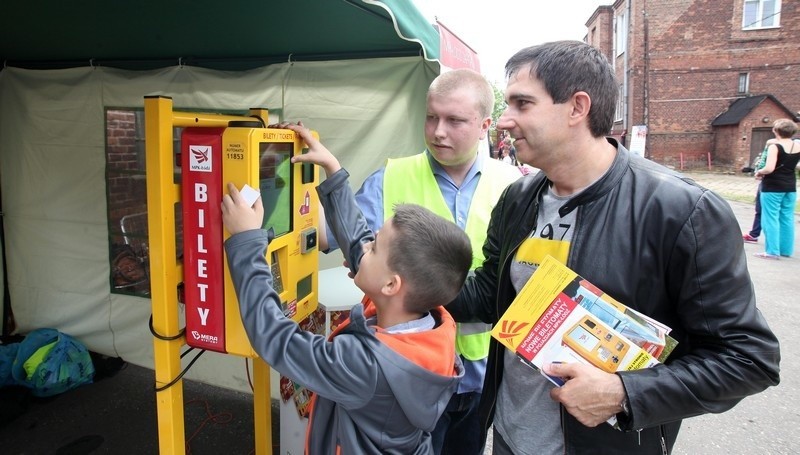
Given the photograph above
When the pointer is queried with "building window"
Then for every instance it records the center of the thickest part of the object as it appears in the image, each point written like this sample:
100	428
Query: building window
620	33
126	197
744	83
761	14
620	105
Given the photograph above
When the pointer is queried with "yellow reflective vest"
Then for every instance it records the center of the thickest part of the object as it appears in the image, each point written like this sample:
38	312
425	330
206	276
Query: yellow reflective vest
411	180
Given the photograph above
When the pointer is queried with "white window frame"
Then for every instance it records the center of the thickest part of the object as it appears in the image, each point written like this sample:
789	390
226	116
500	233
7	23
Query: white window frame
620	111
744	83
773	18
620	33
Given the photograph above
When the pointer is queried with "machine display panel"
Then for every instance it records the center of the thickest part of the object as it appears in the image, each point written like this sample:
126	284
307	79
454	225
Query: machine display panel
275	182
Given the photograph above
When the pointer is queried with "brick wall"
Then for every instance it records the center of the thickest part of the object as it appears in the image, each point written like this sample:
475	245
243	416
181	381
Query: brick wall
738	155
684	58
127	190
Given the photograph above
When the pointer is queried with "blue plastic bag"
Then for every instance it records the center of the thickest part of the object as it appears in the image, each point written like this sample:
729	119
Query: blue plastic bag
50	362
8	352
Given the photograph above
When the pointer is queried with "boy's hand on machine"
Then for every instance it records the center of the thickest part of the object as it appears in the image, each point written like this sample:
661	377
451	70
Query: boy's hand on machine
237	215
317	153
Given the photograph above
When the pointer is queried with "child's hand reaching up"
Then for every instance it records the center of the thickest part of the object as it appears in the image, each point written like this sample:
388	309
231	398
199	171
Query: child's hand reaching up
237	216
317	153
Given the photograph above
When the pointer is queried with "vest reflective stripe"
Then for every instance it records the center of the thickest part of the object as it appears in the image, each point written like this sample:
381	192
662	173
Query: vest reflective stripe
472	340
411	180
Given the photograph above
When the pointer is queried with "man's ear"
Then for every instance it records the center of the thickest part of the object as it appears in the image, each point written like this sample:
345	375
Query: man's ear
392	287
581	104
485	125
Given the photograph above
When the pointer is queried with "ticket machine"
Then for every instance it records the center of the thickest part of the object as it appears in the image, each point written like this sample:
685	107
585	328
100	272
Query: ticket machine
215	150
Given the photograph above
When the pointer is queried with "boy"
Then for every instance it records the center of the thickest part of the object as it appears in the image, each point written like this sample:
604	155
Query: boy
386	375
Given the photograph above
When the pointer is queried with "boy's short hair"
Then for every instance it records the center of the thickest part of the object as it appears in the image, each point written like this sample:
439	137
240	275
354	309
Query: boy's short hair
431	254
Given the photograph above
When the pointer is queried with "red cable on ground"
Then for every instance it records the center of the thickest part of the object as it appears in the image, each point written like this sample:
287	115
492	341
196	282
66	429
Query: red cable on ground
216	418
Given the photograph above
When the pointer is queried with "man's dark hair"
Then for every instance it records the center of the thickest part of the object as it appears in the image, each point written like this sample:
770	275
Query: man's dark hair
431	254
568	67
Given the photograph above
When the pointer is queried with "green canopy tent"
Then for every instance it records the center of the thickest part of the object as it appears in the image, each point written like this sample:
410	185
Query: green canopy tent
354	70
237	35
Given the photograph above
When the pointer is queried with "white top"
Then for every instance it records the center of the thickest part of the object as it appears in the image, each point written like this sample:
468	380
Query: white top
337	291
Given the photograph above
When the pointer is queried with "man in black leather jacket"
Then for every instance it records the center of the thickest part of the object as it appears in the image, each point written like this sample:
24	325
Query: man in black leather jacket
645	235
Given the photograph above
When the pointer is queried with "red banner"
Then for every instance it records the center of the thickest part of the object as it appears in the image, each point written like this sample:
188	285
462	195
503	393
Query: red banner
455	53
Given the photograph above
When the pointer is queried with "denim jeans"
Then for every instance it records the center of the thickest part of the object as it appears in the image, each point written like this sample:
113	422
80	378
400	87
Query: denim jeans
458	430
756	229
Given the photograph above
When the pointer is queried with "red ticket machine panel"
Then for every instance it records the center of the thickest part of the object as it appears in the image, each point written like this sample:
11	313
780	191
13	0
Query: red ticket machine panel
201	186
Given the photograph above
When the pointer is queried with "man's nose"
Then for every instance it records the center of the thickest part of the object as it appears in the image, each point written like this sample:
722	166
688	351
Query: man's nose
441	129
505	122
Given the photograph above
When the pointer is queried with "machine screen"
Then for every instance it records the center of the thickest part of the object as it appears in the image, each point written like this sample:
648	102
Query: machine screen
584	338
275	181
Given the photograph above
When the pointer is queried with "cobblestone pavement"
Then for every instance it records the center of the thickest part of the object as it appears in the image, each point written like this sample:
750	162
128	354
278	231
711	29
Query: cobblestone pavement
733	187
738	187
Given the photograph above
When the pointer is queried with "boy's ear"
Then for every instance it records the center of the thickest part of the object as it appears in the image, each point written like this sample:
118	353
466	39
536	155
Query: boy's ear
392	287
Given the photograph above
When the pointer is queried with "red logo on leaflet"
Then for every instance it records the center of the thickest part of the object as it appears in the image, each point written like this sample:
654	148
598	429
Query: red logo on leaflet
510	329
200	158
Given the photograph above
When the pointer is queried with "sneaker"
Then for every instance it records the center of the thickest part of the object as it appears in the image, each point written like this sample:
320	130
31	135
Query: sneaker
766	256
749	238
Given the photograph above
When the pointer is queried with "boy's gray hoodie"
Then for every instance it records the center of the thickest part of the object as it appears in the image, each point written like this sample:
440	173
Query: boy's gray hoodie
374	392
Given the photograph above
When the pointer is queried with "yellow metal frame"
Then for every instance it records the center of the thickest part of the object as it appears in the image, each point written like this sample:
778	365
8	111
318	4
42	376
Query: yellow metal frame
167	273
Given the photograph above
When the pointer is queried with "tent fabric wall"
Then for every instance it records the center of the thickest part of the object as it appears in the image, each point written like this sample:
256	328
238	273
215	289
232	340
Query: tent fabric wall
52	169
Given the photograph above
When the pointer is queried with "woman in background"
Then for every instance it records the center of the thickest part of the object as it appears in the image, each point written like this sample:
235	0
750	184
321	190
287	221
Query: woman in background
779	191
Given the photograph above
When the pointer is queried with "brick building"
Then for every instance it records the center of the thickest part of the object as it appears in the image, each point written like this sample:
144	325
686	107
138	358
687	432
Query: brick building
683	64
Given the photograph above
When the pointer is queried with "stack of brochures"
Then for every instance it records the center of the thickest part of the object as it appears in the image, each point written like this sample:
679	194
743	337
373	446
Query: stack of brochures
559	317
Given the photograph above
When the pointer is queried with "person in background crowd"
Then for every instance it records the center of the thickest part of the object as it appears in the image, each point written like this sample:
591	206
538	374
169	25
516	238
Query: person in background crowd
512	152
755	230
506	158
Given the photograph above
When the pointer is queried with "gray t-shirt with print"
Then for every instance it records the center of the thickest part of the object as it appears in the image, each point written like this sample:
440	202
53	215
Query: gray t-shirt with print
527	418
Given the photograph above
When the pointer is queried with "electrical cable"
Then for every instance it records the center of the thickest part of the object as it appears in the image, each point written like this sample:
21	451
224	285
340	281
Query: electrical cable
181	332
247	370
174	381
220	418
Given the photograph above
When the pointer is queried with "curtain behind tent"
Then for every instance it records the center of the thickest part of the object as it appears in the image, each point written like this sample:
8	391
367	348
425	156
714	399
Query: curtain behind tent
52	170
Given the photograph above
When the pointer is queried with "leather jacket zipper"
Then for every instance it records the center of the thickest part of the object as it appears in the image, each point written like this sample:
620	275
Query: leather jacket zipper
499	365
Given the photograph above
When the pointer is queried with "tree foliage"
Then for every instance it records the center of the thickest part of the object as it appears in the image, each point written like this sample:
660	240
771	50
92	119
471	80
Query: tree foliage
499	107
